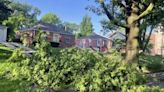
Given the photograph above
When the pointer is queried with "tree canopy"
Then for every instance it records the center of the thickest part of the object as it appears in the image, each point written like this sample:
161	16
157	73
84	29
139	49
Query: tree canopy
86	27
51	18
23	16
130	15
5	11
71	26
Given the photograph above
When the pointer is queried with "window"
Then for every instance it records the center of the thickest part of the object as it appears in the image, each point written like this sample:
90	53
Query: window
56	37
67	40
98	42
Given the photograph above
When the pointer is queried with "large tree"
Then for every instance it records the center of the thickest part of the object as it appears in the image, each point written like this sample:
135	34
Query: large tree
86	27
5	11
23	16
129	14
72	27
50	18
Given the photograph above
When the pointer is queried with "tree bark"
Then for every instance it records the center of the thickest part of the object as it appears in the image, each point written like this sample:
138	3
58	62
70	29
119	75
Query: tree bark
132	48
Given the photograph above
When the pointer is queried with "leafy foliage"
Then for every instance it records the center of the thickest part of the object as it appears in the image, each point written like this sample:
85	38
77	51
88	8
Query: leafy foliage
23	16
82	71
119	44
73	27
9	71
5	11
50	18
78	69
86	26
17	56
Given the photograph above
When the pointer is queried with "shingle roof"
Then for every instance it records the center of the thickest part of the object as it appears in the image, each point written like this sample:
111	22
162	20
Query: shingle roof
49	27
94	36
117	35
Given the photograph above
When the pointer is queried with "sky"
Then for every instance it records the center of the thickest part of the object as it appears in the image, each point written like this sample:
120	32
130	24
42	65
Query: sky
68	10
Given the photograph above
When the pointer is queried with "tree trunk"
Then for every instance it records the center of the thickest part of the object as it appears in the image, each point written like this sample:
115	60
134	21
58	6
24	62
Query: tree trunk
148	39
132	48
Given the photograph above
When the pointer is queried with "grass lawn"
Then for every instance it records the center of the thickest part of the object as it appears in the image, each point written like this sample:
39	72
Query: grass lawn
152	63
156	58
5	53
6	84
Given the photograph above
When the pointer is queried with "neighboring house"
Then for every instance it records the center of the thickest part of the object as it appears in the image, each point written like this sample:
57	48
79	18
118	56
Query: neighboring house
57	35
117	41
157	40
94	41
3	33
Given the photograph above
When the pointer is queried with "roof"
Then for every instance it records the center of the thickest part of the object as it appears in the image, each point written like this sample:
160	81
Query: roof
94	36
49	27
117	35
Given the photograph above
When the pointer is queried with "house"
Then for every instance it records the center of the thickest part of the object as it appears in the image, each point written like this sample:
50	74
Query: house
157	40
3	33
117	40
94	41
57	35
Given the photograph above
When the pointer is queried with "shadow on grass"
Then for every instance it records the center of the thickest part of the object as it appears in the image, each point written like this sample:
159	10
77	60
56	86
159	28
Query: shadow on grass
4	54
7	85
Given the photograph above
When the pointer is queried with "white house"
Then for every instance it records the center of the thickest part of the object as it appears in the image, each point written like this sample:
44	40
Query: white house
3	33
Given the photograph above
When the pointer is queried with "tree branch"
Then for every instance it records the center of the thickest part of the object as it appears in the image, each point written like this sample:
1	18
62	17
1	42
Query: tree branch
121	4
147	11
148	39
111	17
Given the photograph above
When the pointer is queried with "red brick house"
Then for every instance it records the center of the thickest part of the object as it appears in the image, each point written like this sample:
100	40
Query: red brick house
57	35
94	41
157	41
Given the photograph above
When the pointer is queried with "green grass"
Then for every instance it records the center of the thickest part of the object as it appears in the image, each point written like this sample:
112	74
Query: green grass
5	53
7	84
152	63
156	58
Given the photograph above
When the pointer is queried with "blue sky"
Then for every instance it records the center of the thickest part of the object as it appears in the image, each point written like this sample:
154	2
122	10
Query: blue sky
67	10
